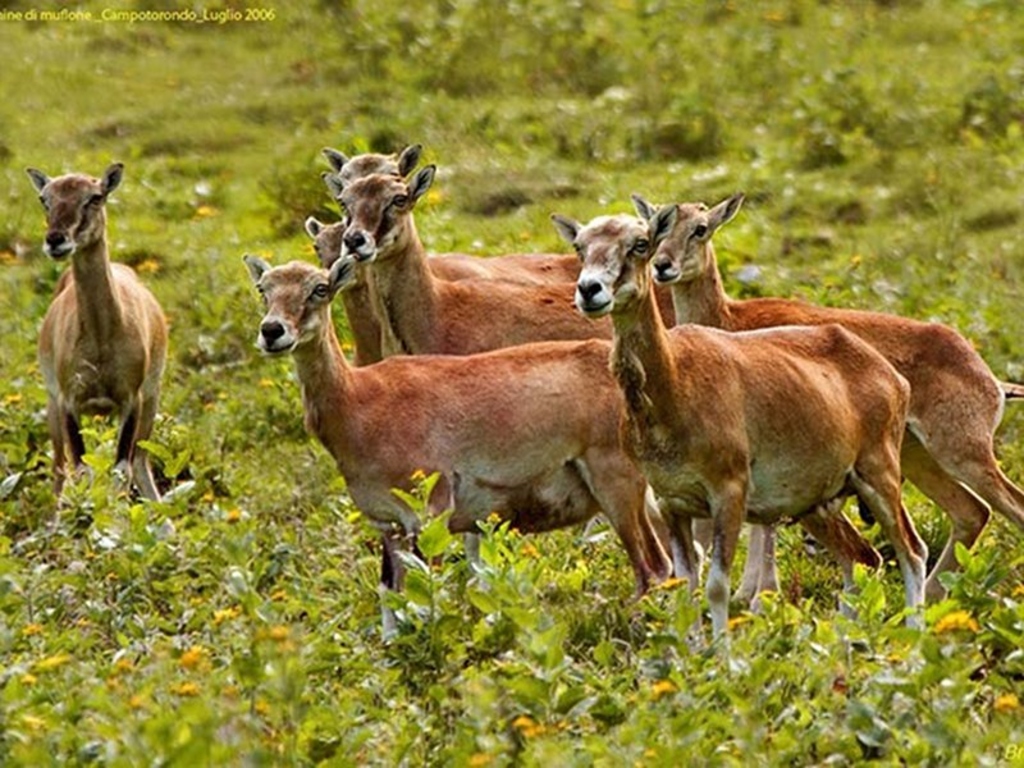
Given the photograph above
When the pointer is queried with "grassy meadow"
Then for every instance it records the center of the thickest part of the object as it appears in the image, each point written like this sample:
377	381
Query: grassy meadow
881	148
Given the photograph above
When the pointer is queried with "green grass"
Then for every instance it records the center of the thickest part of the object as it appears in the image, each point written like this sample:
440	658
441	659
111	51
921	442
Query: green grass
880	148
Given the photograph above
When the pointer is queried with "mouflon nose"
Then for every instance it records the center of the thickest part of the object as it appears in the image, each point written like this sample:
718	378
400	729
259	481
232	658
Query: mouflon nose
355	240
56	239
588	289
662	269
271	330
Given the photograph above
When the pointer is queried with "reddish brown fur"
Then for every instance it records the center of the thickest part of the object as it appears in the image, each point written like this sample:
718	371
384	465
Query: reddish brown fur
103	342
508	430
522	268
769	424
430	315
525	268
956	403
420	314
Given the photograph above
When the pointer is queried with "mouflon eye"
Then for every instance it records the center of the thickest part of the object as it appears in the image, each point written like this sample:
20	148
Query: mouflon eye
700	230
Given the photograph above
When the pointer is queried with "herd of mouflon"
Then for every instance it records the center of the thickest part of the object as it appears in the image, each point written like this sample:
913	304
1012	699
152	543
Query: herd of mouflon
619	380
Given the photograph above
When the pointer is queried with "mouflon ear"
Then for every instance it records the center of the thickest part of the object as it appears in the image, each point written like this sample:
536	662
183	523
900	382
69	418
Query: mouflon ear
39	179
661	224
566	227
333	184
112	178
257	267
409	159
644	209
313	226
724	211
421	182
335	158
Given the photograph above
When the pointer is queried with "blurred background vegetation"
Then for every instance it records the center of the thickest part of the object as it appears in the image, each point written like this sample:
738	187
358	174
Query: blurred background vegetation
880	147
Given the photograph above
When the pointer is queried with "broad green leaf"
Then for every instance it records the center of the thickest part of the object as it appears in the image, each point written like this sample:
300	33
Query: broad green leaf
418	587
434	538
482	600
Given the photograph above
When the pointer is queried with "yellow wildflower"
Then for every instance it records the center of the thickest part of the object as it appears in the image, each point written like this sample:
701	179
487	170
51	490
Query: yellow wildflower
671	583
738	621
479	760
523	721
225	614
663	688
1006	702
52	662
528	727
233	516
13	399
206	211
136	702
124	665
278	595
266	383
528	550
279	633
186	689
32	629
28	679
956	620
262	707
418	475
193	657
148	267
